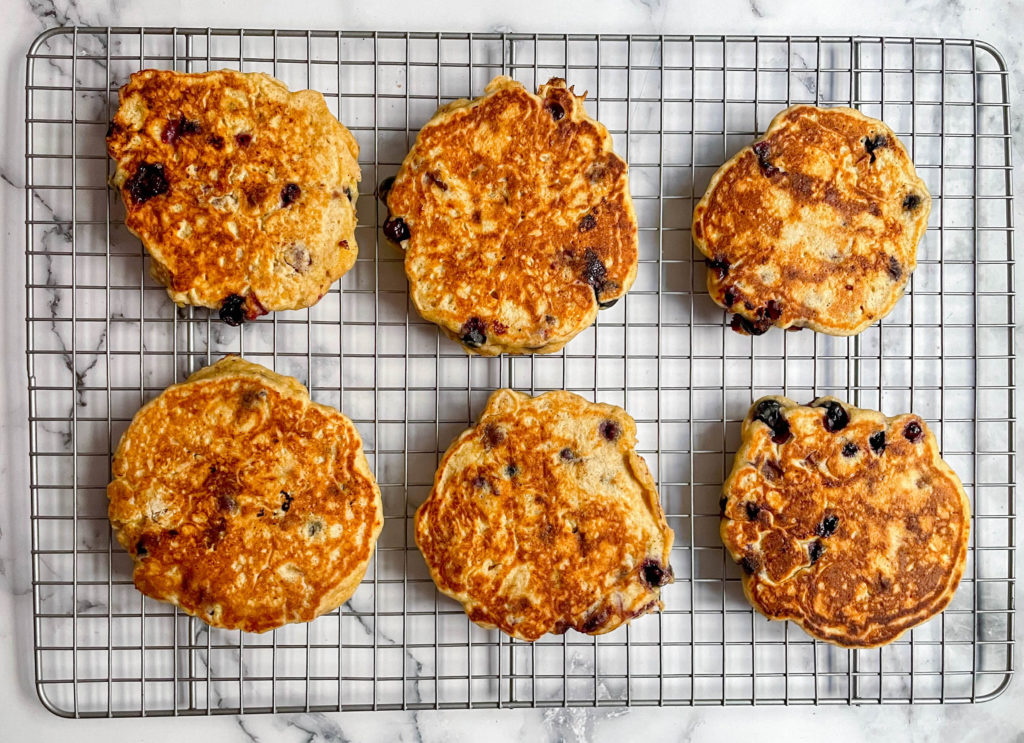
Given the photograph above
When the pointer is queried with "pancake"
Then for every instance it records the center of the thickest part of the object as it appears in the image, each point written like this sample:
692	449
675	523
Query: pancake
815	225
544	518
516	219
243	502
242	193
844	521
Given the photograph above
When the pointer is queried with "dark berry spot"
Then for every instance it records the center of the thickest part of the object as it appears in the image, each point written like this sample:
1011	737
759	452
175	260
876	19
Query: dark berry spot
227	503
722	503
110	129
480	483
610	430
287	502
850	449
744	325
836	417
594	271
608	304
895	269
588	223
348	193
314	527
233	310
140	549
260	513
290	194
875	143
568	455
499	327
828	526
435	178
493	435
595	621
512	470
474	332
175	130
385	188
815	550
244	139
763	151
769	412
913	432
555	109
750	563
172	533
216	141
752	510
877	442
771	470
149	181
720	267
773	310
911	202
396	230
654	574
729	297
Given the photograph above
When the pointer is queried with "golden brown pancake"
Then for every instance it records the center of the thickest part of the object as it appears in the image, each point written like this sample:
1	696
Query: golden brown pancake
242	192
815	225
844	521
516	219
243	502
543	517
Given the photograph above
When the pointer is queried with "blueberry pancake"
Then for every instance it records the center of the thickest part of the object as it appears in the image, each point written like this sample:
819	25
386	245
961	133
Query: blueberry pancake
516	219
815	225
844	521
544	518
243	502
242	192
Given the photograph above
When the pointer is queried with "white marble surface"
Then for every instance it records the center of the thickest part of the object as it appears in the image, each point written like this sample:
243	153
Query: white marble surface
23	718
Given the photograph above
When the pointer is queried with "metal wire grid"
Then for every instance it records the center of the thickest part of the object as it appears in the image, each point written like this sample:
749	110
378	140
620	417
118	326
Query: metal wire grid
103	339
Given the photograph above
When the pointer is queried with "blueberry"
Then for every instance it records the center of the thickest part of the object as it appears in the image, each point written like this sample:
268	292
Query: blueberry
815	550
769	412
512	470
828	526
216	141
473	332
493	435
877	442
752	510
175	130
314	527
435	178
763	151
773	310
729	297
750	563
149	181
610	430
385	188
243	139
771	470
555	109
654	574
396	230
594	271
913	432
227	503
140	549
568	455
722	503
875	143
588	223
850	449
232	311
290	194
895	269
836	417
741	324
720	267
911	202
608	304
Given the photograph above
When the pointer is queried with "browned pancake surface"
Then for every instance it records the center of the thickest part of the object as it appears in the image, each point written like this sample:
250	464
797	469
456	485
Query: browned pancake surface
242	501
236	187
543	518
516	219
844	521
815	225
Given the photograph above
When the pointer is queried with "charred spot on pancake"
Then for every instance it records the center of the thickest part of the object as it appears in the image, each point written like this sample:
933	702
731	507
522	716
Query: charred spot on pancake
609	430
512	470
148	181
473	332
769	412
290	194
654	574
773	310
750	563
172	533
244	139
176	129
722	503
588	223
836	418
260	513
718	265
314	527
875	143
877	442
606	305
216	141
435	178
745	325
568	455
771	470
850	449
911	201
227	503
763	150
232	311
895	269
913	432
752	510
140	548
555	109
815	550
384	188
828	526
286	503
396	230
110	129
493	435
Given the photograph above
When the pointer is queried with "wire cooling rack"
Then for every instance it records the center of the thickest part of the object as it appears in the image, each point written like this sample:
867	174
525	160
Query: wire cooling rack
103	339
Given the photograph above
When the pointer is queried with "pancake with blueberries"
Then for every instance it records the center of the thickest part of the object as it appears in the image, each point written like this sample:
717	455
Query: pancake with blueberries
243	502
815	225
516	219
844	521
544	518
242	192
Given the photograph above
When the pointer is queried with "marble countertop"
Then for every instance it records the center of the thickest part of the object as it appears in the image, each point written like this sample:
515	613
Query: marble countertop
998	23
